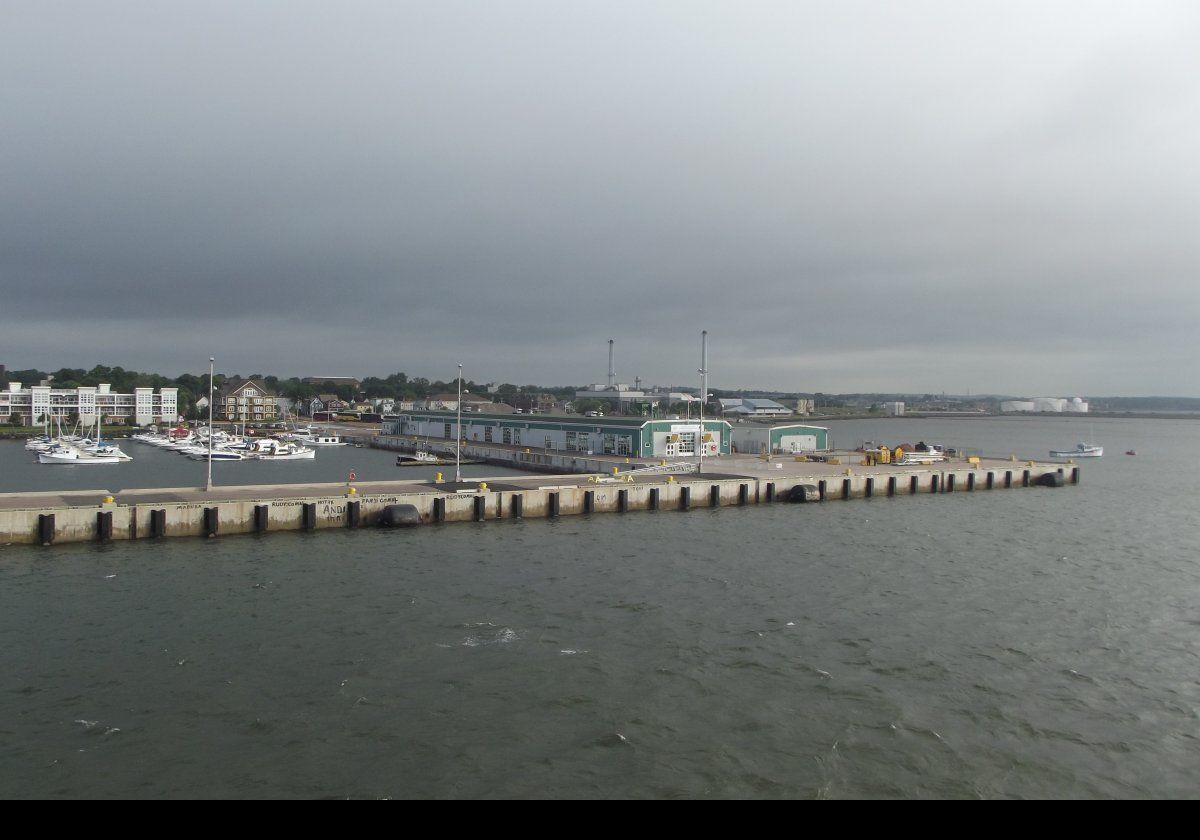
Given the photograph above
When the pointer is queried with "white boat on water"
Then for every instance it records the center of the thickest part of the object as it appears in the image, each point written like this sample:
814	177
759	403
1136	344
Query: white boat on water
218	453
275	450
318	439
1081	450
419	457
76	457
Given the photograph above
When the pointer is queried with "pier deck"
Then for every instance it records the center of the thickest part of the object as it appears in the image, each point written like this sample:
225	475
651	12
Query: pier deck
104	514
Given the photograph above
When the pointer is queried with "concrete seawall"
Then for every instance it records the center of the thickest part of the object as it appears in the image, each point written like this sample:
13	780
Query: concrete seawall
101	515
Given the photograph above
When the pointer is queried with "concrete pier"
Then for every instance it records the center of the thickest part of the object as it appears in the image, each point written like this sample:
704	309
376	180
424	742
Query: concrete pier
101	515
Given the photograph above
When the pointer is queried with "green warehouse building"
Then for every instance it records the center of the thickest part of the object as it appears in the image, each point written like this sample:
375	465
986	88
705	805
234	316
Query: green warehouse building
629	436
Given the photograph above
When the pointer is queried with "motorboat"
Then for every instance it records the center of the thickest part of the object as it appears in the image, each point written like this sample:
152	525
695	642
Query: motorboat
1081	450
318	439
276	450
418	458
218	453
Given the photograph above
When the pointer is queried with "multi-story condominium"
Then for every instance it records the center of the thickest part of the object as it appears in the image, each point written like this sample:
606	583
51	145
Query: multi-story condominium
37	402
246	401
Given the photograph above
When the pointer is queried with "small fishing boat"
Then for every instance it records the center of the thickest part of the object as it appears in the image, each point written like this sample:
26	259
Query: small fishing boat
418	459
1081	450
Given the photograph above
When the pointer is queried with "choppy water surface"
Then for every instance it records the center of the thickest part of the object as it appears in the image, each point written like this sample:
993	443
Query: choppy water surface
1031	643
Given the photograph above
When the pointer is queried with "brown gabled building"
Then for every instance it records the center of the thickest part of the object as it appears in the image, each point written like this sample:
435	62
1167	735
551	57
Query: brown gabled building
246	401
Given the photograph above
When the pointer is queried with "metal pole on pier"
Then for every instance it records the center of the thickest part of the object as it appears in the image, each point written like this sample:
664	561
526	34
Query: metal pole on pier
703	393
458	431
211	360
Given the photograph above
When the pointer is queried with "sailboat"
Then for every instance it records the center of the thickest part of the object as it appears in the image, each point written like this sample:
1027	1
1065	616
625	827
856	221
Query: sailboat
83	452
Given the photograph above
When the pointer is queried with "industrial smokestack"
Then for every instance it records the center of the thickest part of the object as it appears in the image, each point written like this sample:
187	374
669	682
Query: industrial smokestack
612	373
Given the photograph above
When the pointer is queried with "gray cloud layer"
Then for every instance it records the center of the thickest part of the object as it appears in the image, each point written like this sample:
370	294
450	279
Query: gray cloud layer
850	196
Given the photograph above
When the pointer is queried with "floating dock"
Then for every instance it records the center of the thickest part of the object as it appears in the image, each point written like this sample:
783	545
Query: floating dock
102	515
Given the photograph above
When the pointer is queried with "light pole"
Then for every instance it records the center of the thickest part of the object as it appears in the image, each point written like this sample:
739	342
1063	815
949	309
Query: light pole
458	431
211	360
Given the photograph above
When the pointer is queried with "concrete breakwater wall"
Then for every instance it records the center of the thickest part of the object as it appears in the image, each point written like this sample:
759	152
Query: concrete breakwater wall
188	512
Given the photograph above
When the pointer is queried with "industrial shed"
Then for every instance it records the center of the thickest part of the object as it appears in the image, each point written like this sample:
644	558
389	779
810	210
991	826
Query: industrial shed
785	438
631	436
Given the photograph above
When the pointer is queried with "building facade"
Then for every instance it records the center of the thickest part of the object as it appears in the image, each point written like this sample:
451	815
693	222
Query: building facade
141	408
247	402
631	437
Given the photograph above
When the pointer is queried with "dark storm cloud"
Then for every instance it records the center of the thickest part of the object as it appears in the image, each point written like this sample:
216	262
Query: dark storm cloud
919	196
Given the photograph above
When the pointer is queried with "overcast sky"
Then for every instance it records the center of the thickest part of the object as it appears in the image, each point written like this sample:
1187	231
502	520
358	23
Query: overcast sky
849	196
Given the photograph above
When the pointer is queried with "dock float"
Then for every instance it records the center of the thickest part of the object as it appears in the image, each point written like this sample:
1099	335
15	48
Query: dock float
101	515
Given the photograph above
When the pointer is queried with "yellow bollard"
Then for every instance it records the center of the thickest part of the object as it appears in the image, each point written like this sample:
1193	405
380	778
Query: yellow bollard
615	471
437	478
108	500
353	491
626	460
849	472
483	487
670	479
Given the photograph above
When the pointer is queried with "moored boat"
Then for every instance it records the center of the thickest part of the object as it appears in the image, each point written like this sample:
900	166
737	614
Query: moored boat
275	450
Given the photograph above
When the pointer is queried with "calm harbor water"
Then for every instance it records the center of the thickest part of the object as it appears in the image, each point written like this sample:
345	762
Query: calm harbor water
1033	643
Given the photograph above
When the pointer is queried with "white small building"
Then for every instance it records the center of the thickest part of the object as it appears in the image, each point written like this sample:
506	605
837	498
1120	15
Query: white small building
893	409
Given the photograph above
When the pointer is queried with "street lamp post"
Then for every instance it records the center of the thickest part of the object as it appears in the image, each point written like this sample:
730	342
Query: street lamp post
211	361
458	431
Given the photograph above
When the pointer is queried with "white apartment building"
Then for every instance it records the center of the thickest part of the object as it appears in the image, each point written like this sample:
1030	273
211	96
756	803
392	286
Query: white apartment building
141	408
